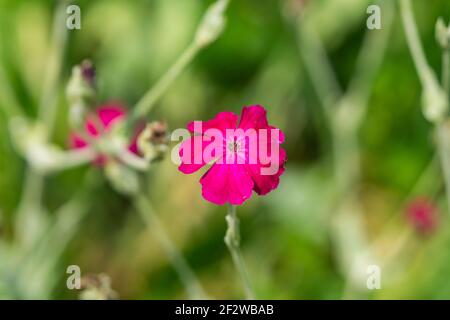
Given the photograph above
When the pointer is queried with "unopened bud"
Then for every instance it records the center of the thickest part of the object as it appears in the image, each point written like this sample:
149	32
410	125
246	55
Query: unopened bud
212	24
153	141
81	92
434	102
442	33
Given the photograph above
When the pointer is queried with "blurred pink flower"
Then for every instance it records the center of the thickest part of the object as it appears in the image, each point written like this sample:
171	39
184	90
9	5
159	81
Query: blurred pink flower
98	124
421	213
237	167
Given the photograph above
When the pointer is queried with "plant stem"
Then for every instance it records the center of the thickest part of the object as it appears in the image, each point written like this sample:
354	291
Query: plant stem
187	276
427	81
154	93
205	28
446	71
48	103
30	203
414	44
318	67
442	129
37	267
232	240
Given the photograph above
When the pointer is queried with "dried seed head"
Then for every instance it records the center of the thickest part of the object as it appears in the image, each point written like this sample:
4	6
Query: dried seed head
97	287
153	141
88	72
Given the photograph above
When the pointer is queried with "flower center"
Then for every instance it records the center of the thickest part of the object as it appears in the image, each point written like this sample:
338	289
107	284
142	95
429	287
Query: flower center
234	146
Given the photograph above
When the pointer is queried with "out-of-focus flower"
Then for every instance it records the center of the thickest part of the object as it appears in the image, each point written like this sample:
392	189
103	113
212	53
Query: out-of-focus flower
153	141
101	132
246	156
30	140
422	215
97	287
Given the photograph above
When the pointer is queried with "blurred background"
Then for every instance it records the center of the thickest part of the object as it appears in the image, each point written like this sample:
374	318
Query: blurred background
309	239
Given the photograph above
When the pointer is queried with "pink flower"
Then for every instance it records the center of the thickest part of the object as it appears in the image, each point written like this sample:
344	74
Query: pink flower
99	123
421	213
242	162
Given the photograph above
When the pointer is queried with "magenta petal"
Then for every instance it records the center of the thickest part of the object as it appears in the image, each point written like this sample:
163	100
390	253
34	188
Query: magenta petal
222	121
253	117
227	183
191	154
76	141
105	117
110	113
281	136
264	183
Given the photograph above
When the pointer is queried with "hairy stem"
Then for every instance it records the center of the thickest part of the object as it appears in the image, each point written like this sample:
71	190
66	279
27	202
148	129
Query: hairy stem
232	240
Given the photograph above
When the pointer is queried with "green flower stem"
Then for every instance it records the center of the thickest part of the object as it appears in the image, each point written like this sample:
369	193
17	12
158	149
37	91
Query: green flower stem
71	159
187	276
443	130
30	203
414	44
8	103
443	145
145	105
37	267
208	30
232	240
133	160
446	71
344	113
427	80
48	103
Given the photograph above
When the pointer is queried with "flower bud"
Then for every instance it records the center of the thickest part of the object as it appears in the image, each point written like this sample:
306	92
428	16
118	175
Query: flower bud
442	33
434	101
212	24
153	141
80	92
